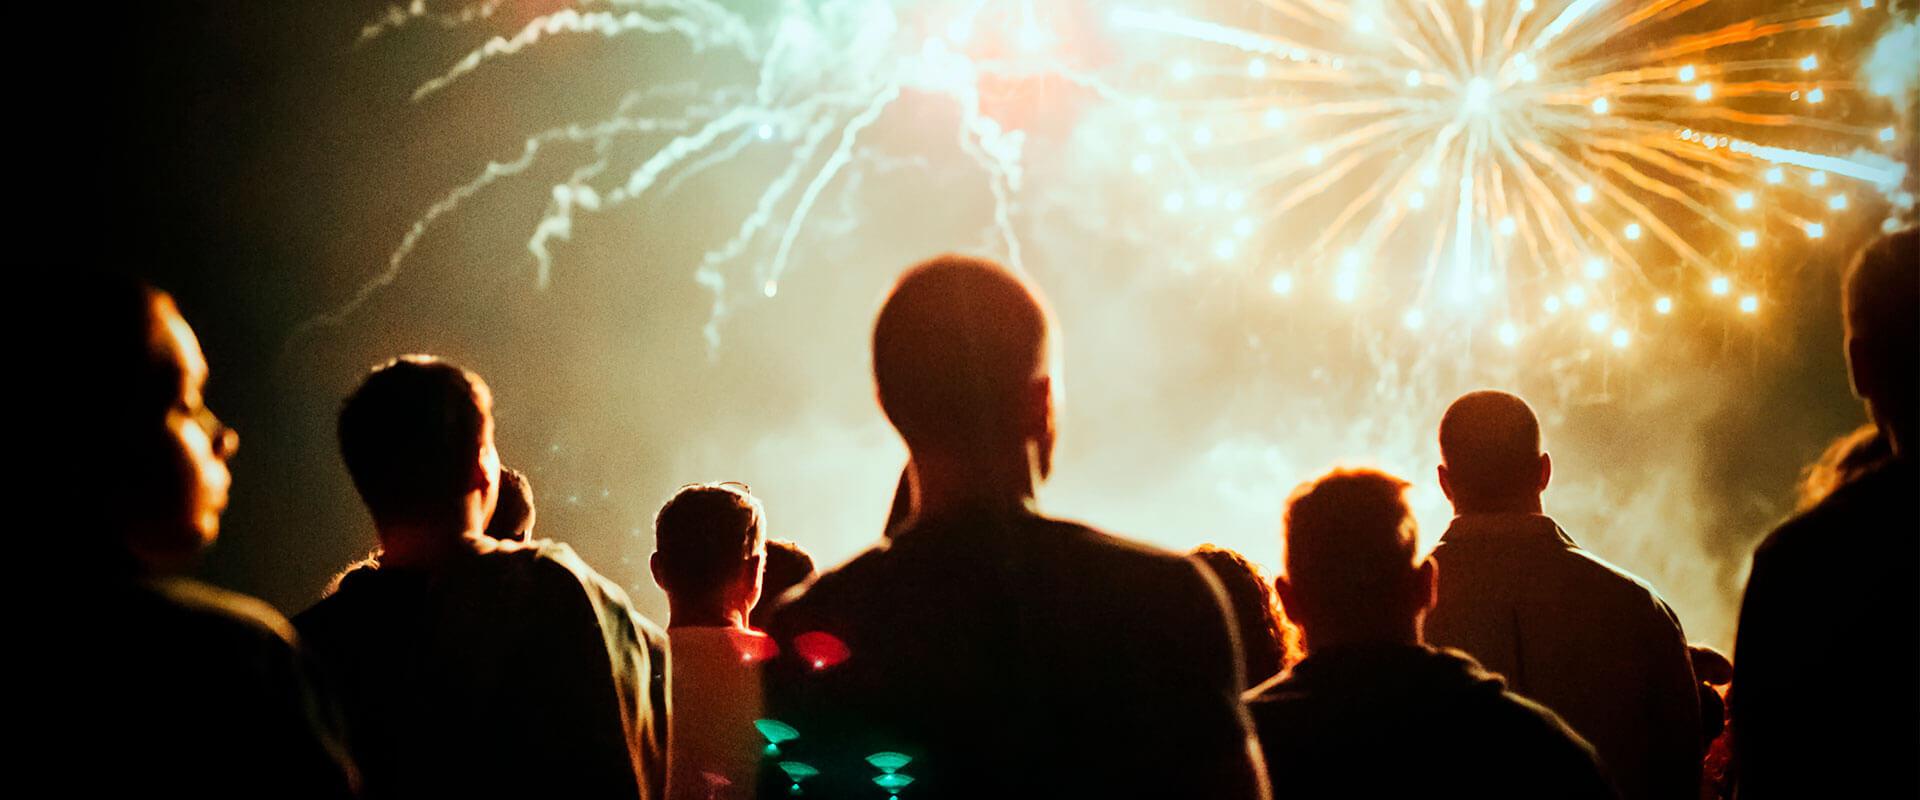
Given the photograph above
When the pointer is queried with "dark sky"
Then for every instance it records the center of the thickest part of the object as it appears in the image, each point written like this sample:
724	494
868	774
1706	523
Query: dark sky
261	165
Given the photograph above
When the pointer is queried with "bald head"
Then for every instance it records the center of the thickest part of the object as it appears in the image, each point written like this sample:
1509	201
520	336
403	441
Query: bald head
1883	332
1490	457
959	354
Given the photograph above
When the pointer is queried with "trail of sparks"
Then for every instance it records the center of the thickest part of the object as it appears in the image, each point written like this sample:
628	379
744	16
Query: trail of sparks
826	72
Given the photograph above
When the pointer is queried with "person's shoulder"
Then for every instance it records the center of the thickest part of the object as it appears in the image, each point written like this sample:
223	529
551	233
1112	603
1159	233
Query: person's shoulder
846	584
214	611
558	562
1113	551
1484	700
546	562
1611	583
1872	503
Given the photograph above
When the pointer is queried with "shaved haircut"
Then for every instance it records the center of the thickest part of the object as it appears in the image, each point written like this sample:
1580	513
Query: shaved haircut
957	342
1490	445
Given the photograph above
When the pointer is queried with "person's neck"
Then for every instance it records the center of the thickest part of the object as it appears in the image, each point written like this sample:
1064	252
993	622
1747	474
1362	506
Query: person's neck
990	480
1529	504
704	614
407	545
1396	634
1899	435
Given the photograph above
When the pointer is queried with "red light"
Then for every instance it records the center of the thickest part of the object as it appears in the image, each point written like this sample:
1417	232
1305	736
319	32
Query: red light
821	649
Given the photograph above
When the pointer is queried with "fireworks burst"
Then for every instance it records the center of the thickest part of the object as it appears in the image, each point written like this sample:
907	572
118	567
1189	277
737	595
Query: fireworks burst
1562	177
823	75
1522	166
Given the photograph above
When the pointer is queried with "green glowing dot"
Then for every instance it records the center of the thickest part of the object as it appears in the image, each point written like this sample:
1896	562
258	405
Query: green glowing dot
893	781
889	761
775	730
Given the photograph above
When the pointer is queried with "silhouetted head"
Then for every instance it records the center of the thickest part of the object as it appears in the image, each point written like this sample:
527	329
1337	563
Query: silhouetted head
1256	611
1883	333
417	437
513	513
709	547
1490	457
1709	665
146	467
787	566
960	359
1351	576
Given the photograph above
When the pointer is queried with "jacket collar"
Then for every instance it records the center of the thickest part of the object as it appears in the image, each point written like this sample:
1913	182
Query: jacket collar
1518	527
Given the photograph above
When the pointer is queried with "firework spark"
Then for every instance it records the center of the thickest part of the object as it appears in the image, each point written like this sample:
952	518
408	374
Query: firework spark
1528	158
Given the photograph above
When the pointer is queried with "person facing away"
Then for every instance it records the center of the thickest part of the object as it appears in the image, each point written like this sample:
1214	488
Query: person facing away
1268	642
787	566
1566	629
984	650
182	689
1838	585
514	512
709	552
1372	711
458	642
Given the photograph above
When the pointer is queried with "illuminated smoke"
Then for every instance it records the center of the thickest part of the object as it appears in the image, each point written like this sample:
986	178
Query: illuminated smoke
1278	240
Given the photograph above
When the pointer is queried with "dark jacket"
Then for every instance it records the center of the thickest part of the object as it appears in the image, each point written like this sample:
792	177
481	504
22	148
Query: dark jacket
1826	665
194	691
1010	657
513	672
1412	721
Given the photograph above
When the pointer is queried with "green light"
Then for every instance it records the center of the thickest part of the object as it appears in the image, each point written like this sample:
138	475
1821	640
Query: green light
775	730
889	762
797	771
893	781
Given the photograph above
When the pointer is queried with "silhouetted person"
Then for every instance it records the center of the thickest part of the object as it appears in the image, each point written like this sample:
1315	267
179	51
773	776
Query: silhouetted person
1846	458
710	546
182	689
1006	654
1839	585
1566	629
458	643
1715	673
1265	635
787	566
1374	712
514	513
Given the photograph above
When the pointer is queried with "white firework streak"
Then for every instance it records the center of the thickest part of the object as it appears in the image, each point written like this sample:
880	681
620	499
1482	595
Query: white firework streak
825	74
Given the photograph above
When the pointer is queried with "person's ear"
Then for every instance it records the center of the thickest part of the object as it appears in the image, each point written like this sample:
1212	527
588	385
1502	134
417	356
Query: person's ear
1546	473
653	566
1284	590
1426	585
1037	423
1036	408
1445	487
752	577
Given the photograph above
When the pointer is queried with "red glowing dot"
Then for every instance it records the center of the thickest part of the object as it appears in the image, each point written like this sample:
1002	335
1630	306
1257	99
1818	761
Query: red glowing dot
820	649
